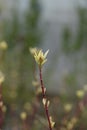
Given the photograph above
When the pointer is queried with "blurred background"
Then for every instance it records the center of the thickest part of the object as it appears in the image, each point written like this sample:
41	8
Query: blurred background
61	27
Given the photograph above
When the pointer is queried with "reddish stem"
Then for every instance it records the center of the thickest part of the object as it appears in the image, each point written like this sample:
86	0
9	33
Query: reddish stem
44	96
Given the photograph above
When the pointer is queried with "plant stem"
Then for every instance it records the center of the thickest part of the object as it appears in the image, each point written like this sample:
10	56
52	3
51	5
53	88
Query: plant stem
44	96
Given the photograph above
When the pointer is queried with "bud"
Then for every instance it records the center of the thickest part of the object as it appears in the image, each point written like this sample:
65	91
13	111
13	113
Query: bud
2	77
4	108
44	100
38	91
80	93
69	126
1	103
23	115
48	103
32	50
44	90
74	120
51	121
39	56
3	45
68	107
